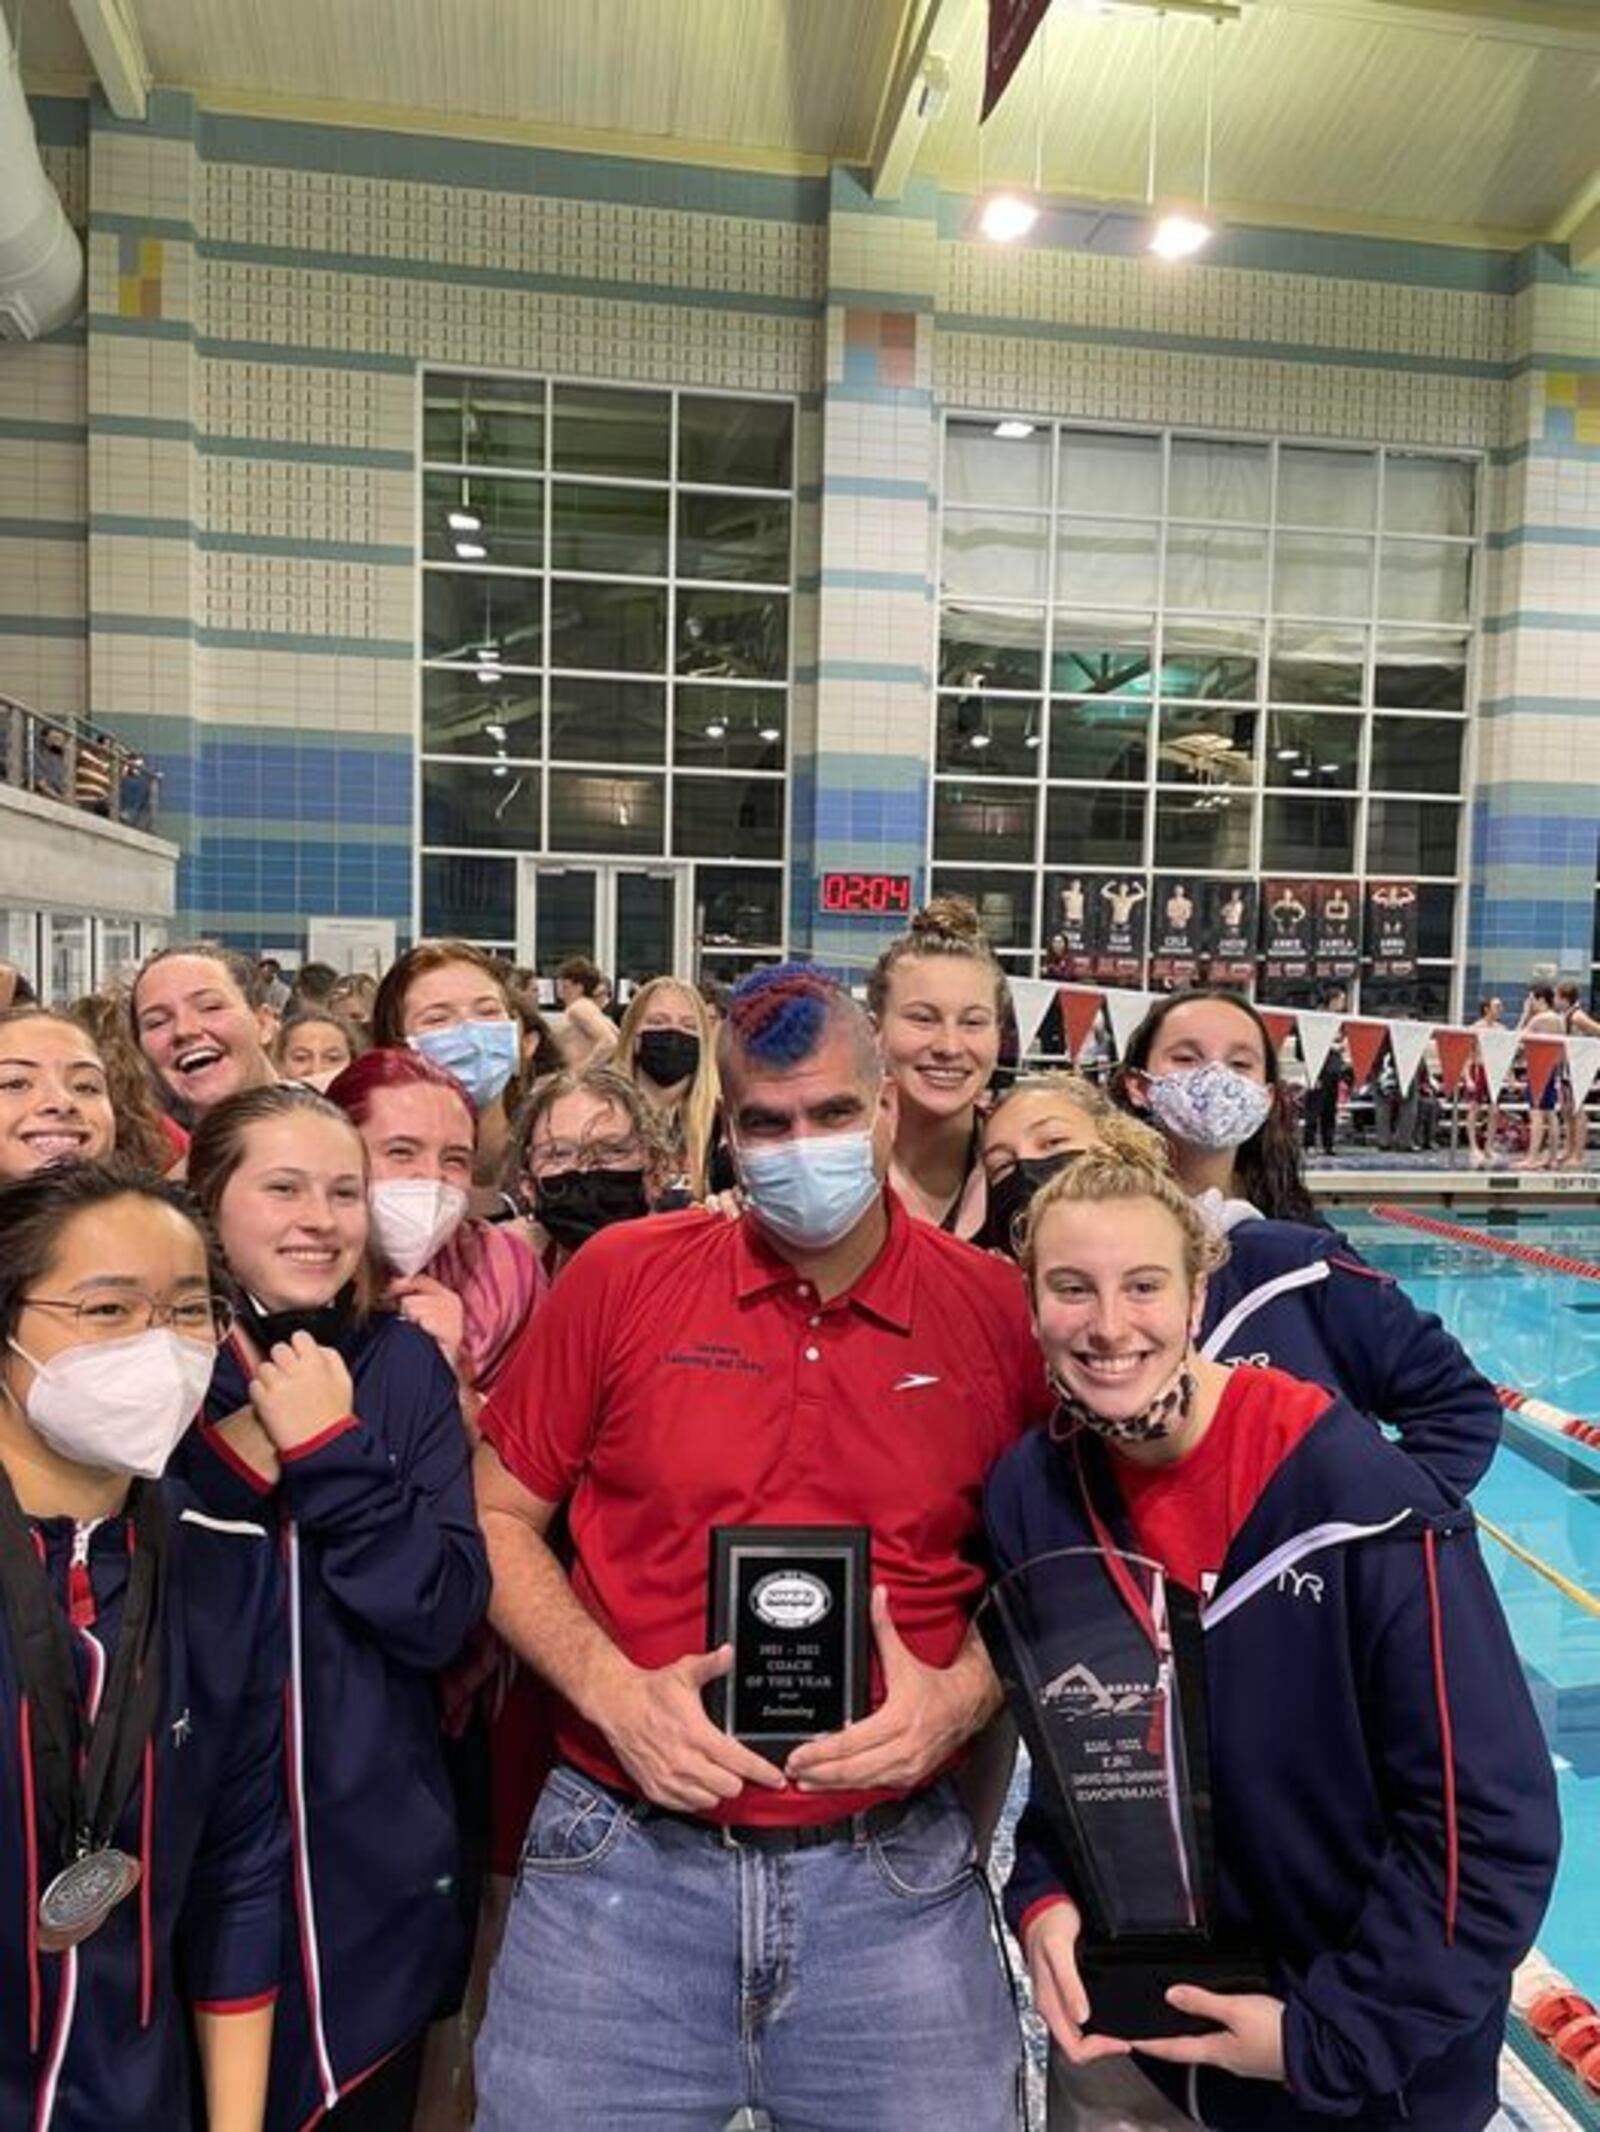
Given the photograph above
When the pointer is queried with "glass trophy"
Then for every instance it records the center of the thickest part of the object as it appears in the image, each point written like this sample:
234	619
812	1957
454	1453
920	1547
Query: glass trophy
1102	1665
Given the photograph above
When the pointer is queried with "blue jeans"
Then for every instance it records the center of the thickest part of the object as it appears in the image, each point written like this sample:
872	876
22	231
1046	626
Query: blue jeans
652	1977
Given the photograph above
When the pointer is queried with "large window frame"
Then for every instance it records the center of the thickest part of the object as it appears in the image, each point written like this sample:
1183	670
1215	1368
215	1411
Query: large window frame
670	774
1024	716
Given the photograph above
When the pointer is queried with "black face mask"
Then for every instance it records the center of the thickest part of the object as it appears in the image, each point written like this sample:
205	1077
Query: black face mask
1011	1195
573	1205
668	1056
327	1323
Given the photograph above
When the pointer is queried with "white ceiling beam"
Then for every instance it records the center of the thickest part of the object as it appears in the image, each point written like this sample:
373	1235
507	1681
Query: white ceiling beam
116	48
908	103
1578	225
1573	23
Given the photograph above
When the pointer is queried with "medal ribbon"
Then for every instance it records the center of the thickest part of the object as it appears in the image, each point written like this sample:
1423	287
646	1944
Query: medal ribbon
85	1787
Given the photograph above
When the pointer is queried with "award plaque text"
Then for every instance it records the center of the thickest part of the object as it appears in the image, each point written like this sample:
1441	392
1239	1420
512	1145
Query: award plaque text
793	1602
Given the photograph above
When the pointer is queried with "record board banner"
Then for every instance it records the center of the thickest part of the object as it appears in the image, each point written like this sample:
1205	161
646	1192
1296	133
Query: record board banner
1228	931
1069	926
1175	925
1288	920
1392	928
1336	940
1119	927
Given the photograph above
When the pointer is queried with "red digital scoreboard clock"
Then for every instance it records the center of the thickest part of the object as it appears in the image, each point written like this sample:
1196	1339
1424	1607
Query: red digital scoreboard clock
865	895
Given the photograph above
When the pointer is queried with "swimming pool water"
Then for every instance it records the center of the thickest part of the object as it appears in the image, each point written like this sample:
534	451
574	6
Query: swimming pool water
1538	1331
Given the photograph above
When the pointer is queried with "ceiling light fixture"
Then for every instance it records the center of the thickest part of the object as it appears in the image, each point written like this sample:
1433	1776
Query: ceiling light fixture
1014	432
495	732
1006	216
1301	770
1288	754
770	733
471	551
464	522
980	740
1180	236
1179	232
488	675
716	729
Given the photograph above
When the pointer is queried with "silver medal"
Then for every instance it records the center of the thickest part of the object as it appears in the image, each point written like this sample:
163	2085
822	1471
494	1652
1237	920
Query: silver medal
82	1896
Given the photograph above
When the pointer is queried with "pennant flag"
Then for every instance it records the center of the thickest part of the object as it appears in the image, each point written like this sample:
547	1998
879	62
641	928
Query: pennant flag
1408	1044
1455	1056
1125	1011
1543	1054
1317	1034
1365	1041
1583	1063
1032	997
1497	1048
1280	1024
1079	1011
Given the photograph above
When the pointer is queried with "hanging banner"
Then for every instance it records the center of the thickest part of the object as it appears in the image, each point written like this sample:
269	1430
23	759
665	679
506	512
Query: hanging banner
1455	1056
1318	1034
1542	1055
1392	928
1032	997
1119	931
1496	1048
1228	932
1280	1024
1012	24
1080	1010
1174	933
1286	926
1069	950
1583	1063
1408	1047
1336	940
1125	1011
1364	1041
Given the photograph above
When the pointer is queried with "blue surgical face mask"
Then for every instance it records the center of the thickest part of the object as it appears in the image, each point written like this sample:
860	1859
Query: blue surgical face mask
481	1055
810	1192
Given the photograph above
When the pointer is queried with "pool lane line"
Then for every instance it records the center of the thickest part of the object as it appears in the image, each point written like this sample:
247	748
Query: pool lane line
1564	1585
1525	1254
1553	1419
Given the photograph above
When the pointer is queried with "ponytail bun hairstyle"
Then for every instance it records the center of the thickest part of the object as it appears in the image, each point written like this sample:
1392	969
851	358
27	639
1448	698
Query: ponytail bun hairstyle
945	925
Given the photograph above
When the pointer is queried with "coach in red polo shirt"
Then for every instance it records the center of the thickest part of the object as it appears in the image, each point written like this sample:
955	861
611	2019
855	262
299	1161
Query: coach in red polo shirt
695	1929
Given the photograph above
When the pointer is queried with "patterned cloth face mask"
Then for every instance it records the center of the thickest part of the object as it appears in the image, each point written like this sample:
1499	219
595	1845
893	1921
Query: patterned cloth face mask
1209	1107
1164	1416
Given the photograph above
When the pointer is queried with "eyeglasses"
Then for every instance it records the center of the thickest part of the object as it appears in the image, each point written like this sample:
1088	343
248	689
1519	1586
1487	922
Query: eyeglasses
549	1157
204	1318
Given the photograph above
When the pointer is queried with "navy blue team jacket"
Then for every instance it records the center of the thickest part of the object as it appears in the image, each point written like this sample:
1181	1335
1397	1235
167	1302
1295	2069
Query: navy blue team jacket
1385	1808
1301	1300
99	2035
385	1577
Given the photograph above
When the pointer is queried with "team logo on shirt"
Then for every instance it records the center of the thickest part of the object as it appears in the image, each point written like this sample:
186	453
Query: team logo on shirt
790	1599
182	1727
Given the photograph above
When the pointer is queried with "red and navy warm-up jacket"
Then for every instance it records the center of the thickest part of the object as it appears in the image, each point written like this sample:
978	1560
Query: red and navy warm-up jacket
1300	1299
386	1575
1385	1812
98	2036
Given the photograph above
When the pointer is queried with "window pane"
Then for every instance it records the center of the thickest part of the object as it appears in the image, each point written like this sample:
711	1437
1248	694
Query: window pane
469	899
996	737
1004	903
1211	660
1106	741
623	531
1423	495
1416	754
727	817
493	805
1425	997
1204	830
975	821
991	557
1420	672
592	812
734	636
608	721
474	618
1101	655
1425	581
1316	664
462	715
1094	828
1412	836
734	536
1304	749
1216	567
740	443
980	467
1106	561
620	627
729	728
1103	471
1310	835
1436	918
1323	574
738	906
1318	488
991	647
1212	478
607	432
1207	747
509	514
483	421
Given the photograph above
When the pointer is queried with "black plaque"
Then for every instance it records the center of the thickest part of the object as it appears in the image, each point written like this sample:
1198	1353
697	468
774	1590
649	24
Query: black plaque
1102	1665
794	1602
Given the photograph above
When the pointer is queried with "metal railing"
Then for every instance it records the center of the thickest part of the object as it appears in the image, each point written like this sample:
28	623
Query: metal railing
78	765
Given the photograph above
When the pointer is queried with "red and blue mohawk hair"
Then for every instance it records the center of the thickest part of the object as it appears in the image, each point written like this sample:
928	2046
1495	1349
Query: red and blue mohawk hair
778	1016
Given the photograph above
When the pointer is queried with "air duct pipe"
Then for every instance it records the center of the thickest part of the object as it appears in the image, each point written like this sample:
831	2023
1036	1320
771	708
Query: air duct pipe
41	259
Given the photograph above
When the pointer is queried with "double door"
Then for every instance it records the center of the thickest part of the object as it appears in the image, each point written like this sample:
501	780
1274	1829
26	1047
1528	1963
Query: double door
633	919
